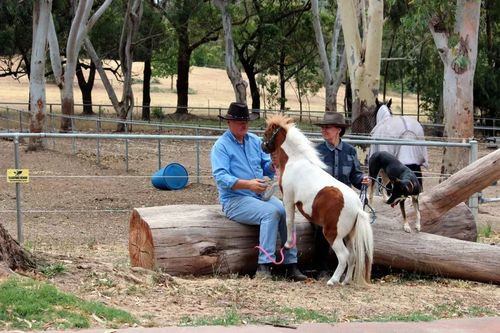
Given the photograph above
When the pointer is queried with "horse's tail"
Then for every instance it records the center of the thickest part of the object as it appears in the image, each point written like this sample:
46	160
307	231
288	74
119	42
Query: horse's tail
362	241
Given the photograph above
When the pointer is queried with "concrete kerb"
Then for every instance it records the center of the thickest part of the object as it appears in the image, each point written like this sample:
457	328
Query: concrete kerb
462	325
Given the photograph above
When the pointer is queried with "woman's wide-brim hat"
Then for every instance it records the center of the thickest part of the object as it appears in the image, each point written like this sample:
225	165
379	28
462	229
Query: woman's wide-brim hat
333	119
239	112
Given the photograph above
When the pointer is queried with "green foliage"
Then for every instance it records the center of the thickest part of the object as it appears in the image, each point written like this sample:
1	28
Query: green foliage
231	317
52	270
157	112
105	35
410	317
29	304
164	61
485	231
445	310
306	315
208	55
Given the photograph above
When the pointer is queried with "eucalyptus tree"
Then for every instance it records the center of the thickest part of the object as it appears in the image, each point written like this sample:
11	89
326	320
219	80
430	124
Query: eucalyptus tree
104	37
233	72
196	22
454	27
152	33
296	50
333	70
81	23
363	49
15	38
130	27
457	44
487	76
38	98
259	37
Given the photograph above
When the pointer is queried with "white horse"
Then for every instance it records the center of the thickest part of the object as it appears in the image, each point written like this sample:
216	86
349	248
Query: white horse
401	128
322	200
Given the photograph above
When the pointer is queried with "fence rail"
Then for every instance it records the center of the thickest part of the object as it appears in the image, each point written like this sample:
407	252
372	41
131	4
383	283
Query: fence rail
159	138
17	119
160	112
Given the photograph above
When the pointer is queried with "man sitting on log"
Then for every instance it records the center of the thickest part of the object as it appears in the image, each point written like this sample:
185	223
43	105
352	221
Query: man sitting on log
238	167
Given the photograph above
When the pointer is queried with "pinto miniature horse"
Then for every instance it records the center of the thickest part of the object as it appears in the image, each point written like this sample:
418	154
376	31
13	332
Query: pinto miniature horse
322	200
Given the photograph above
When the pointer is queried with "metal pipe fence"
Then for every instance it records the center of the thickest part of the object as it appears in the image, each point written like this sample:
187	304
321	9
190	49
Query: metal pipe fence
202	143
160	114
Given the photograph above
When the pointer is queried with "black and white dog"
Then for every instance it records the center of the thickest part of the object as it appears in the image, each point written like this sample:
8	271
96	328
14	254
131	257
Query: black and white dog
399	180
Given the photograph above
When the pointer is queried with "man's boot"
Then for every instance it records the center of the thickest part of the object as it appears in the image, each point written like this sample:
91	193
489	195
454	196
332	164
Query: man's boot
293	273
263	272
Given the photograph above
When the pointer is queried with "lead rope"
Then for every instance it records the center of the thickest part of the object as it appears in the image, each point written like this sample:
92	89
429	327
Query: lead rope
364	200
294	242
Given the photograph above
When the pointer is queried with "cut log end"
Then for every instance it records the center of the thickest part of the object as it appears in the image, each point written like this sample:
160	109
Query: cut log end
140	245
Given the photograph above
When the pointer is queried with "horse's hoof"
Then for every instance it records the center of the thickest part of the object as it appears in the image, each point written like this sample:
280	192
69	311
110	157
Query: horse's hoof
332	283
407	228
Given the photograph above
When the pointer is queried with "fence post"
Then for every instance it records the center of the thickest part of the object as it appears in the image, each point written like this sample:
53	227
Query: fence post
20	120
197	157
73	131
98	148
20	237
159	148
474	199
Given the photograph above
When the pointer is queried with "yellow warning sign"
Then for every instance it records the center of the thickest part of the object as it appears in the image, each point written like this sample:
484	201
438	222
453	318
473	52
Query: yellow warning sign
18	175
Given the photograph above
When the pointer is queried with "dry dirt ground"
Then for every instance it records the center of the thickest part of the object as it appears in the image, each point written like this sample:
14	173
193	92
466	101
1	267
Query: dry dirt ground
76	215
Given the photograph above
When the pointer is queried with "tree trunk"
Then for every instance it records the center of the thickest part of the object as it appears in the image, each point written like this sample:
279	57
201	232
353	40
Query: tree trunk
188	239
12	253
194	239
459	62
38	101
363	55
460	186
332	75
146	90
130	28
86	87
239	85
102	73
183	56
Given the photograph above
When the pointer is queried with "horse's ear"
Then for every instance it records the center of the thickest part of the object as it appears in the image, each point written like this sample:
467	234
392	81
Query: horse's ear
389	103
377	103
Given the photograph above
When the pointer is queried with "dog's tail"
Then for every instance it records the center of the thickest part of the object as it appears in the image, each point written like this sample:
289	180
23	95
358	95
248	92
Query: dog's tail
362	241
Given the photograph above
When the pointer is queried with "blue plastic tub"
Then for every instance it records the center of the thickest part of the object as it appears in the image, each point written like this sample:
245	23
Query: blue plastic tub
174	176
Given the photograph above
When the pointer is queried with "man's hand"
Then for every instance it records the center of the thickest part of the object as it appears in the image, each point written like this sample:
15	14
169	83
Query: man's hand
254	185
366	181
257	185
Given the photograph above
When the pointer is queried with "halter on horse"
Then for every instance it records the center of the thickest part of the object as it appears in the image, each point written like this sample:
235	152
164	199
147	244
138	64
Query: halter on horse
321	199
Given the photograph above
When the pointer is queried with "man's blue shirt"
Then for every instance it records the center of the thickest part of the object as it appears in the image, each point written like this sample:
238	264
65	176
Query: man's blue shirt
232	160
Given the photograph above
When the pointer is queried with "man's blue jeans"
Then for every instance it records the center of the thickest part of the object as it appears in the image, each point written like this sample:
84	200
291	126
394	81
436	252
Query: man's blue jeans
270	216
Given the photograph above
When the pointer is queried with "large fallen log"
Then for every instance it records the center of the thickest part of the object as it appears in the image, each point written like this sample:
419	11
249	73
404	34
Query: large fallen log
458	188
191	239
194	239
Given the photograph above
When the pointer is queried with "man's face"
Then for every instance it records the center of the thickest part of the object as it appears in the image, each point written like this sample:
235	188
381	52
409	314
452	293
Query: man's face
238	127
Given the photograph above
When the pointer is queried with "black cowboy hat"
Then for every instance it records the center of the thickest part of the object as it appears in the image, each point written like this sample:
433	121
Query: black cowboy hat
239	112
333	119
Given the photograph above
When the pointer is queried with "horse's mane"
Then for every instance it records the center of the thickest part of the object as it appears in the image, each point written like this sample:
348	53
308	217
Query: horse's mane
299	144
280	120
